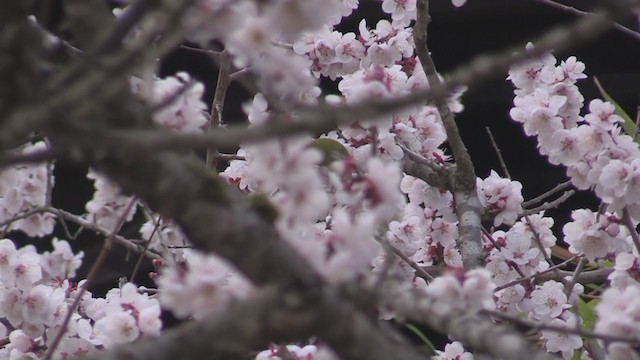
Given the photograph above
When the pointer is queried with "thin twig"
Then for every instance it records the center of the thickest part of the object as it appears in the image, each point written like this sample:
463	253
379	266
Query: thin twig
419	270
576	275
498	153
579	12
559	329
209	52
547	194
538	274
21	216
217	105
547	258
144	251
551	204
83	223
239	73
173	97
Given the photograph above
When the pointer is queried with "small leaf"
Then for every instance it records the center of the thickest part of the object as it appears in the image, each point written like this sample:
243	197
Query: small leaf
423	337
588	313
561	253
577	355
595	287
608	264
331	149
629	125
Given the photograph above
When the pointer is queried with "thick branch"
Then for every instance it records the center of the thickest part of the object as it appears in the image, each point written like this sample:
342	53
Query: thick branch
468	207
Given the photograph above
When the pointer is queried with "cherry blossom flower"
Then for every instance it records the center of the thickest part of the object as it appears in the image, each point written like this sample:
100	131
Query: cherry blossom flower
618	314
564	343
202	288
626	271
185	113
519	248
402	11
549	300
108	204
602	114
61	263
593	235
24	188
502	197
453	351
116	329
307	352
473	291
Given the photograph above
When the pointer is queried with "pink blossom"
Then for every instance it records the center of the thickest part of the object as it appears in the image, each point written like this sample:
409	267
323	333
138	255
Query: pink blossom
549	300
453	351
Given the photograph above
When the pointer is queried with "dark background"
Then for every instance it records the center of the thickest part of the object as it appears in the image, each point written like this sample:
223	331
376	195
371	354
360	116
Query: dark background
456	35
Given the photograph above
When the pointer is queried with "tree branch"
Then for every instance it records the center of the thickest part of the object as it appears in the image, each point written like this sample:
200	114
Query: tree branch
463	186
575	11
474	330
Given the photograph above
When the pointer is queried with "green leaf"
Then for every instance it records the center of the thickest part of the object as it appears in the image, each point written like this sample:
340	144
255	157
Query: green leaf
577	355
588	313
423	337
629	125
608	264
331	150
595	287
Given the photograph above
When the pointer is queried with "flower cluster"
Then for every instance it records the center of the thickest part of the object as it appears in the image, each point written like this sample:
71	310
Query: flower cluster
295	352
164	236
618	315
594	149
337	211
596	235
332	53
200	285
36	295
453	351
178	100
598	156
471	290
109	204
252	32
502	198
23	189
428	228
